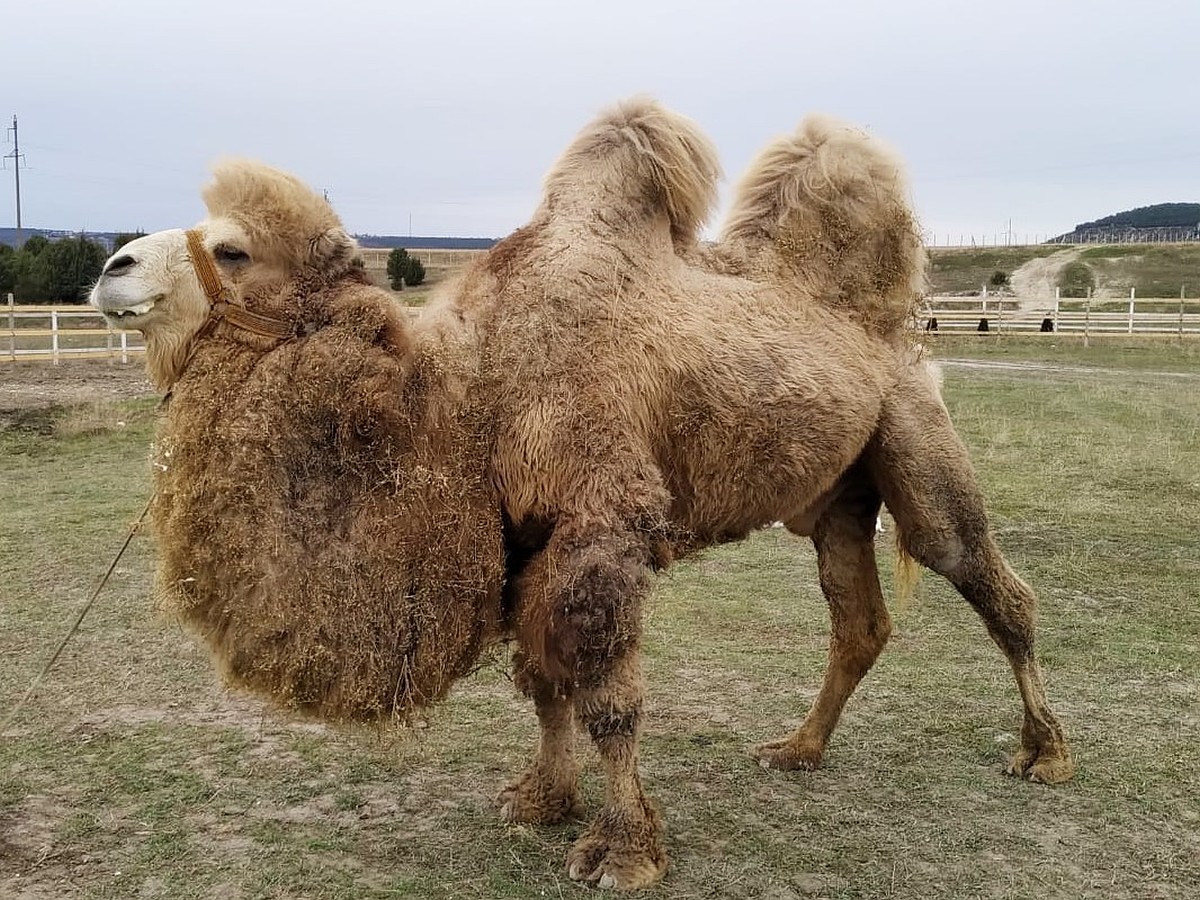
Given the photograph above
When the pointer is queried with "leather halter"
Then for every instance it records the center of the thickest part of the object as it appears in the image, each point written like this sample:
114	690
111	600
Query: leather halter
220	307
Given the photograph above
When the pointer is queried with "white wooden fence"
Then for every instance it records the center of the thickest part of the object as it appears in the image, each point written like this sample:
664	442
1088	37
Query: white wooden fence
56	333
1149	316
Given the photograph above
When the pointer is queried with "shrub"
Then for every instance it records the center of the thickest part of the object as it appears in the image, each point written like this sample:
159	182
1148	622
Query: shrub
998	279
45	271
72	267
1076	280
124	237
403	269
416	272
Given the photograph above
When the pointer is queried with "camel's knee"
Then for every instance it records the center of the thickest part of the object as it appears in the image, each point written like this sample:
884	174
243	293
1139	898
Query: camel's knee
587	614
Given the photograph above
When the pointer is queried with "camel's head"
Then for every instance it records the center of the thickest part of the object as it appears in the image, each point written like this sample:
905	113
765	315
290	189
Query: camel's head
266	234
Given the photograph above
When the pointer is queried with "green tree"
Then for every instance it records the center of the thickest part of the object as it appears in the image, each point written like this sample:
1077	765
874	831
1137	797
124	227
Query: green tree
35	245
72	267
31	283
124	237
397	265
8	271
415	273
404	270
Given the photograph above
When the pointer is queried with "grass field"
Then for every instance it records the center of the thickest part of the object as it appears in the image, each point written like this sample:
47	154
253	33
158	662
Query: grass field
1153	270
952	270
133	774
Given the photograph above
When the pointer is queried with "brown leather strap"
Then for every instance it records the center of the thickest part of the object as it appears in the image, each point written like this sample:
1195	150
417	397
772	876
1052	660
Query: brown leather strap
206	269
220	306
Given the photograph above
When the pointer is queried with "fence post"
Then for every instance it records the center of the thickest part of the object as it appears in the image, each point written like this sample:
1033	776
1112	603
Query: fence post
125	347
1087	315
1181	313
12	334
1057	296
1131	297
54	335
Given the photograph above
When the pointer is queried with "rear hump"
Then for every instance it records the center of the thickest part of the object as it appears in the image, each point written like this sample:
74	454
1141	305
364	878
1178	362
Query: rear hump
827	208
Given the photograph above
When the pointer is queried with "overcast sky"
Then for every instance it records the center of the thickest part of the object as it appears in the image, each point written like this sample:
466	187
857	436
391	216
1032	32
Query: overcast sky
447	113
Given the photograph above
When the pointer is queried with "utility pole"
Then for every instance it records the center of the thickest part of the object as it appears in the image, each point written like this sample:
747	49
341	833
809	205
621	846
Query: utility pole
16	157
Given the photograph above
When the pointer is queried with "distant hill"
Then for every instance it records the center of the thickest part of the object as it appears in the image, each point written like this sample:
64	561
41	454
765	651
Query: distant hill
9	235
1162	222
385	241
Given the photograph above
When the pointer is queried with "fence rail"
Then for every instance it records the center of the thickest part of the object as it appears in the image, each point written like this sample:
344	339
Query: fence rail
56	333
1087	317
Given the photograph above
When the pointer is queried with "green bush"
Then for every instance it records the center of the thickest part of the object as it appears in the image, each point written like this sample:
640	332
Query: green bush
124	237
72	267
998	279
416	272
45	271
1077	280
404	270
8	270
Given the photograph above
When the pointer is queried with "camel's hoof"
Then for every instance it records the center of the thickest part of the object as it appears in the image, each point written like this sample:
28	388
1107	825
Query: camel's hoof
626	859
531	800
787	756
1052	766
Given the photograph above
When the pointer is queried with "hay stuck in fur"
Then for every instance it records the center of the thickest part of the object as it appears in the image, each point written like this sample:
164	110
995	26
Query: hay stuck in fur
322	516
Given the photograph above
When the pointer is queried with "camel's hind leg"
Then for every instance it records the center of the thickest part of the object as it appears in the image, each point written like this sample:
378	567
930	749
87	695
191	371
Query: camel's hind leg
859	623
927	482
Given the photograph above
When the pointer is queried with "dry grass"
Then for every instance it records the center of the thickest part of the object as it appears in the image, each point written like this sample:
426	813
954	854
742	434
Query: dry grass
133	775
1154	270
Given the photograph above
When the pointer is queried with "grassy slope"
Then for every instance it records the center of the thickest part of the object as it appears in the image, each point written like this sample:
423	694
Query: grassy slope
132	774
955	270
1153	270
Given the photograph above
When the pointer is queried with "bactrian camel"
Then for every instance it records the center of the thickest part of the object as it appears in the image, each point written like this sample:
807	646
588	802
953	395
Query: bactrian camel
353	503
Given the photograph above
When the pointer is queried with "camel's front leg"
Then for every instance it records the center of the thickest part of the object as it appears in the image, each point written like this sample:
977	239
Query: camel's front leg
546	792
623	846
581	624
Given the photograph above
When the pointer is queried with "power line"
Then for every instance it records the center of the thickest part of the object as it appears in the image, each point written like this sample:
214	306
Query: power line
16	156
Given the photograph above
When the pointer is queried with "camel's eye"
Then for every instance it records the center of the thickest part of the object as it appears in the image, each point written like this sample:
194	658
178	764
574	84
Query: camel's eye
230	255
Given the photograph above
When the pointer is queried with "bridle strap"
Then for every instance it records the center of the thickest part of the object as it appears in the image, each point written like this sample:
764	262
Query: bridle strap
206	269
220	307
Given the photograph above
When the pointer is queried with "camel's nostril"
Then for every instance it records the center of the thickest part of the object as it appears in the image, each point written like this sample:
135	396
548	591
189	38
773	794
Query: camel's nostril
120	265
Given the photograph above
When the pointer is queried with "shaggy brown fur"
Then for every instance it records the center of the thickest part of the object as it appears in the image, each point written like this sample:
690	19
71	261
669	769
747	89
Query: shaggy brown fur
614	395
323	515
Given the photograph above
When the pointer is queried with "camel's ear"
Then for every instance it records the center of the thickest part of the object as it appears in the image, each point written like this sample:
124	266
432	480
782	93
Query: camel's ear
331	247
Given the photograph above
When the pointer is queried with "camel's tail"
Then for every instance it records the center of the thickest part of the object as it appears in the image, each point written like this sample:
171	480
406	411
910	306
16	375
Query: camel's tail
908	575
637	162
827	208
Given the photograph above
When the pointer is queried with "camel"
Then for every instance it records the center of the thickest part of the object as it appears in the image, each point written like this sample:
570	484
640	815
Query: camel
352	503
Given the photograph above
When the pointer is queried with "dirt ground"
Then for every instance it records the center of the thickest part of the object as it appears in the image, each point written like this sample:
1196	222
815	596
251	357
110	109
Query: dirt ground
36	385
1035	281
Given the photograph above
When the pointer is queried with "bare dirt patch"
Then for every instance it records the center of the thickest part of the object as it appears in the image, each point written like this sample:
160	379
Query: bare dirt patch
1034	282
32	385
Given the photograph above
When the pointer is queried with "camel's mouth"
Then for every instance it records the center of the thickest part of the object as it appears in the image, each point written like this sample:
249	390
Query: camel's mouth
124	316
